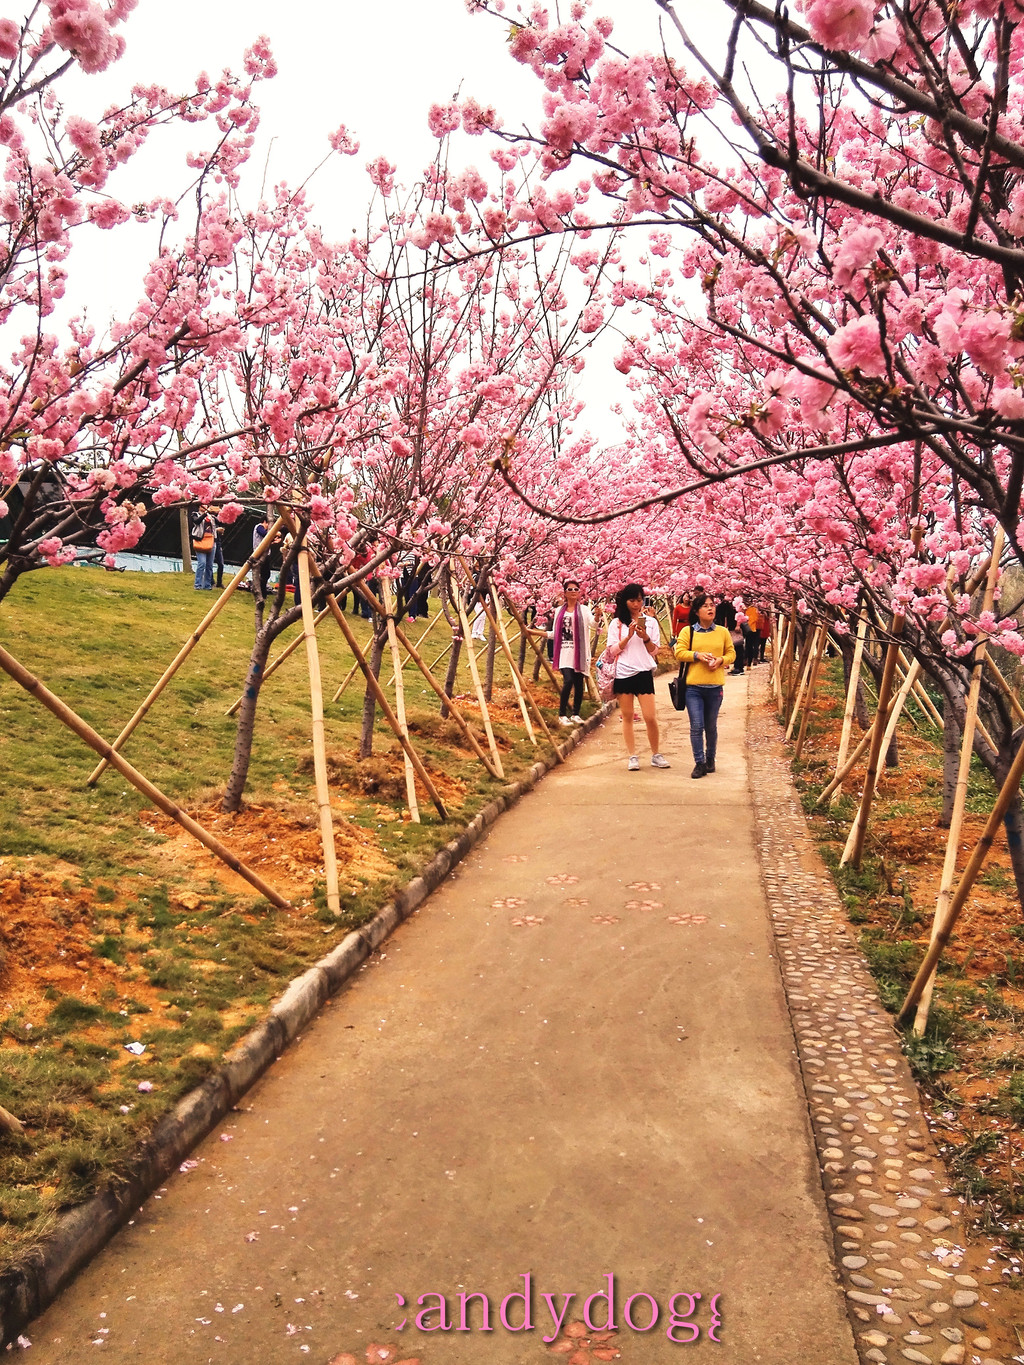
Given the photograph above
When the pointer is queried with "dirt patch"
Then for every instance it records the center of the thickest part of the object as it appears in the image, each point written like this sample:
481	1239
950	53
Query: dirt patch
282	845
47	943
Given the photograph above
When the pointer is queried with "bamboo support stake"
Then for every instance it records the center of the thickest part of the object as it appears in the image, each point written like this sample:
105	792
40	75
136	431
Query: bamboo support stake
9	1124
970	873
405	661
384	705
537	649
517	680
371	681
523	692
921	696
1007	690
485	715
778	630
942	904
854	850
896	709
849	765
399	680
805	673
453	710
285	654
789	660
95	741
187	649
851	700
811	690
345	681
316	708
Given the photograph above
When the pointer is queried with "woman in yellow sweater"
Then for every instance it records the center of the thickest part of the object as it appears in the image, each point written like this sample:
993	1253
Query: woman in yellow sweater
708	649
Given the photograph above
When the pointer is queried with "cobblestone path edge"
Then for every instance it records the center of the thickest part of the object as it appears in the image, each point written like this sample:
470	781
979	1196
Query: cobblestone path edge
898	1231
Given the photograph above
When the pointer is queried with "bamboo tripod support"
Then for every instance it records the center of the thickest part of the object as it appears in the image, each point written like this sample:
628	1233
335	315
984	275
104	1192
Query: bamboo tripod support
789	660
399	682
188	647
523	692
805	673
385	706
495	623
405	661
316	708
779	631
812	688
285	654
854	850
485	715
538	651
943	901
967	880
345	682
851	700
453	710
74	722
371	680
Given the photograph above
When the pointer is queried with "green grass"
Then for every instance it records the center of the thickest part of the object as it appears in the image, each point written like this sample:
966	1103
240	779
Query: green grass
184	982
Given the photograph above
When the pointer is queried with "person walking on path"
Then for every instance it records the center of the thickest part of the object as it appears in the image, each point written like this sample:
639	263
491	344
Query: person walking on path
634	639
764	630
681	614
750	636
570	632
708	649
204	537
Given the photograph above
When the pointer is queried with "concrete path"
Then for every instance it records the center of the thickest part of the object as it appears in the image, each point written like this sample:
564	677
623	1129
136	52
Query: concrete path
574	1062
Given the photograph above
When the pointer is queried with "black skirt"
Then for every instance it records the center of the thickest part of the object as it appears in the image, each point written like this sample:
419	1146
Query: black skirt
638	685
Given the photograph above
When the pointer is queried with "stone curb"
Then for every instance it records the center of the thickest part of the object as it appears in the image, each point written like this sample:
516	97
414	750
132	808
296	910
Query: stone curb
899	1235
28	1289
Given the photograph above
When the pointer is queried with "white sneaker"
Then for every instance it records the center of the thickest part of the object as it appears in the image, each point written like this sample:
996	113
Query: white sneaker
659	761
564	721
577	720
634	764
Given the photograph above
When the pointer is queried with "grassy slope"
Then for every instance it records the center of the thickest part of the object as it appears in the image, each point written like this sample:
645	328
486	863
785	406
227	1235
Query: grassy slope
128	945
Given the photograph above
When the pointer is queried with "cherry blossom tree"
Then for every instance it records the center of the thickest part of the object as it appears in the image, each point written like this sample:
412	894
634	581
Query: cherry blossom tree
89	419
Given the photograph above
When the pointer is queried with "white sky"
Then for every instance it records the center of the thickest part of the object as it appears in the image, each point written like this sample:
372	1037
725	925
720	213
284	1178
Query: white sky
374	67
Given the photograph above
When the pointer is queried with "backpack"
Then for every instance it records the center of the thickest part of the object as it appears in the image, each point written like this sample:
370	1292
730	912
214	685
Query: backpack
605	668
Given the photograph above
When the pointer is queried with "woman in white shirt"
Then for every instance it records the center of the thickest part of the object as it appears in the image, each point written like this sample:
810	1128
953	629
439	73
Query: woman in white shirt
634	638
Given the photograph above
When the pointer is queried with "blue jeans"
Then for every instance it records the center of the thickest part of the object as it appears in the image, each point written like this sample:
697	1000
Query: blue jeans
204	568
703	705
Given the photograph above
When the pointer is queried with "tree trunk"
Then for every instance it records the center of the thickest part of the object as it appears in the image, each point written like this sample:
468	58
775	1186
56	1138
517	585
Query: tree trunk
951	740
369	700
247	718
522	651
453	667
492	641
1013	820
892	754
860	706
1013	823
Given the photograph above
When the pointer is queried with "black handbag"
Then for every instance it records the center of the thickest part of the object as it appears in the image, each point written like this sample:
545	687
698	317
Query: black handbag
677	685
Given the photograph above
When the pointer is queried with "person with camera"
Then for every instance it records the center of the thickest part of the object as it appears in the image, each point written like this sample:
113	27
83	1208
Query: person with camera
204	537
633	638
708	651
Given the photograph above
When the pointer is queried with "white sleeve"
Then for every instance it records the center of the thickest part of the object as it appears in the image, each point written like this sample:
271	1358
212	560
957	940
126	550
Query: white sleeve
654	631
